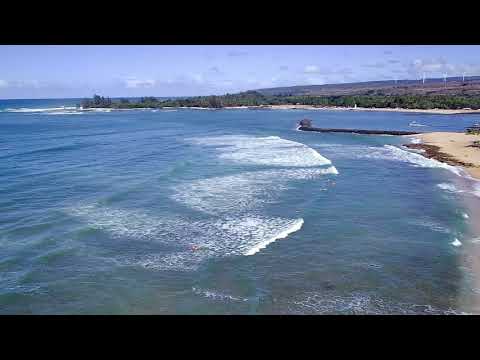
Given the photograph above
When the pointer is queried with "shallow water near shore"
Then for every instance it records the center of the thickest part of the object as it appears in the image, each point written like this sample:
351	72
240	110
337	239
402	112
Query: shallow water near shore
229	212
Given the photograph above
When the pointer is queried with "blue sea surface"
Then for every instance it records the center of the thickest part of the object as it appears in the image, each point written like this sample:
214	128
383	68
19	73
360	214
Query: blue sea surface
227	212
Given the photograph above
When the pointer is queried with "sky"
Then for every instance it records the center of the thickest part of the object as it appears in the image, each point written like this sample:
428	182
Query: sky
47	71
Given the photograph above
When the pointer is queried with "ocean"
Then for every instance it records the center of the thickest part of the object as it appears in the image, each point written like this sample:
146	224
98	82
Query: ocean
229	212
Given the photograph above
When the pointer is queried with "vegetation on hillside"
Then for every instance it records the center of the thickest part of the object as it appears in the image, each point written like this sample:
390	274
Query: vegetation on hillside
254	98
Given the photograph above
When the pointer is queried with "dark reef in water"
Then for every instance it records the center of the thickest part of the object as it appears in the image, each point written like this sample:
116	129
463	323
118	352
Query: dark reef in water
433	152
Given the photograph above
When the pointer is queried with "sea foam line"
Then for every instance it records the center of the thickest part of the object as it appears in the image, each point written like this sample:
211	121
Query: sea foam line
420	160
215	295
27	110
270	150
295	227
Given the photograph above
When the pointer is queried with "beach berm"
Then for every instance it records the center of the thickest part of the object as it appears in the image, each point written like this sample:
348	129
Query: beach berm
454	148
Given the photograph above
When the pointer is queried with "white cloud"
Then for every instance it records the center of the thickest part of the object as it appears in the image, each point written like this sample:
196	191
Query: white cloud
198	78
376	65
437	67
311	69
327	73
28	84
19	84
139	84
315	80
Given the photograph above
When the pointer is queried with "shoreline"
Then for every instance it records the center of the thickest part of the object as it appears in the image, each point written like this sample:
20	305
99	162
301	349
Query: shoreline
339	108
453	148
306	107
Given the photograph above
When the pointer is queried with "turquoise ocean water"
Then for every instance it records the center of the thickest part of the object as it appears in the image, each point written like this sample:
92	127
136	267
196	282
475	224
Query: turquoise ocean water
227	212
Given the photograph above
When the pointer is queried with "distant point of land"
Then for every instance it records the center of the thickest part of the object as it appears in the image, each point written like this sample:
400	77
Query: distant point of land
455	93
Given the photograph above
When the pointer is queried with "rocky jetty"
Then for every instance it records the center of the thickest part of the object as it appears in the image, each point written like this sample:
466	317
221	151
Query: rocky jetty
358	131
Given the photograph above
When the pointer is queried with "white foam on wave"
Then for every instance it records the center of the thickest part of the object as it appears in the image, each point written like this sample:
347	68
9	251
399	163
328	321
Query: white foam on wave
122	222
389	153
297	225
456	243
449	188
220	238
235	194
476	190
419	160
270	150
359	303
430	224
102	109
471	189
28	110
414	123
62	113
216	295
191	242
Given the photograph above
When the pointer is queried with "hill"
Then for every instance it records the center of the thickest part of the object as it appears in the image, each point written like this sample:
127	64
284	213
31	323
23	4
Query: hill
436	86
404	94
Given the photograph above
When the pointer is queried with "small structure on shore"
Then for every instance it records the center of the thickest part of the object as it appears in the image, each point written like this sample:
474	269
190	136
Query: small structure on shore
305	123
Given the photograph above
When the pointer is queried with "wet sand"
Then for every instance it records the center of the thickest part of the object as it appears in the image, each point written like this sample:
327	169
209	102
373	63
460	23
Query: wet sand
453	148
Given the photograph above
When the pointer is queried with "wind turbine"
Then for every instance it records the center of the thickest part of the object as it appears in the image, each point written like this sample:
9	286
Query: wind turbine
423	78
445	79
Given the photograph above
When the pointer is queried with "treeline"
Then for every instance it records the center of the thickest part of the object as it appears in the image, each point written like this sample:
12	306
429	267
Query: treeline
105	102
253	98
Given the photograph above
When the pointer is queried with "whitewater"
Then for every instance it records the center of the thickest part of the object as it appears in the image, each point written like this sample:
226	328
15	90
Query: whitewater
182	211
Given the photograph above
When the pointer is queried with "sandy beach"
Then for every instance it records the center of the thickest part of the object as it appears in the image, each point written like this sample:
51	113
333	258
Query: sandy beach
453	147
338	108
305	107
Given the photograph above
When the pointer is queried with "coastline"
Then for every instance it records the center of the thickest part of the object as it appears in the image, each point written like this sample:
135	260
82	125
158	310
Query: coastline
452	148
305	107
339	108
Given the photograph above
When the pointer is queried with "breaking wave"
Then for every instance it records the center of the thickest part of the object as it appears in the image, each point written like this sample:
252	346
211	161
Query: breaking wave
235	226
449	187
216	295
235	194
476	192
414	123
39	110
192	242
389	153
271	150
456	243
416	159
